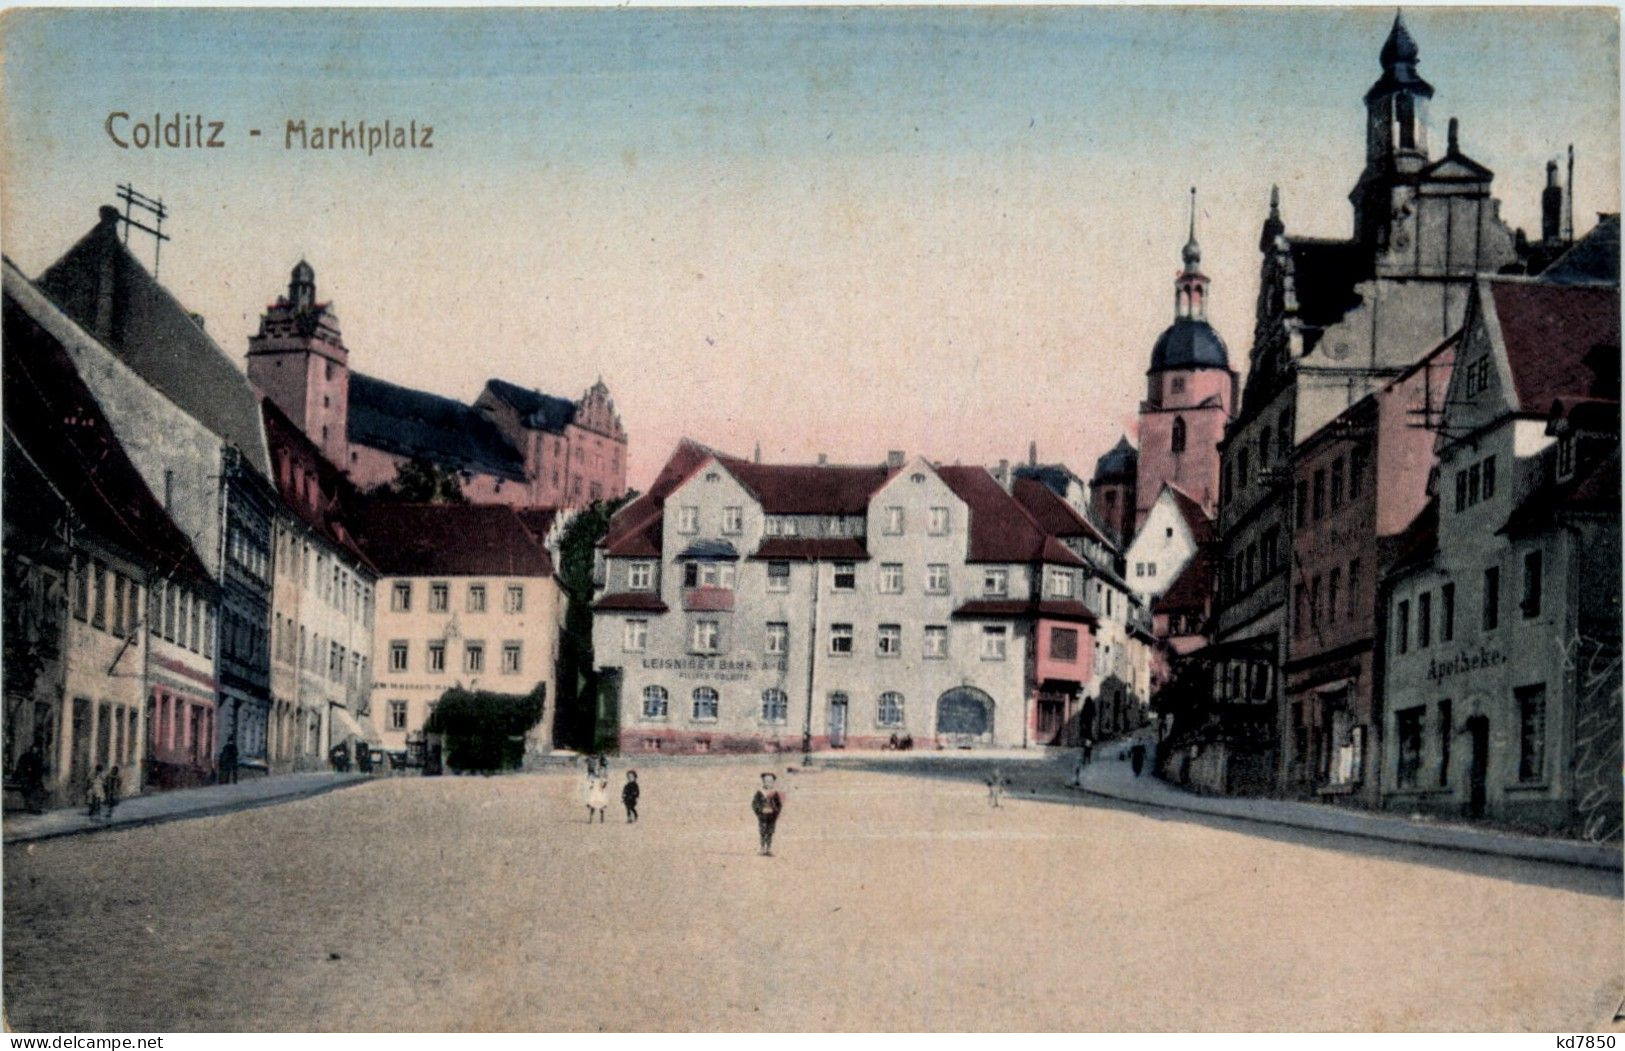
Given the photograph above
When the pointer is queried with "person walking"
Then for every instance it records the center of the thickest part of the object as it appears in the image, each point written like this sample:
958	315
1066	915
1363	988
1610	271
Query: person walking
112	789
597	798
93	794
996	783
1136	757
629	796
228	762
768	804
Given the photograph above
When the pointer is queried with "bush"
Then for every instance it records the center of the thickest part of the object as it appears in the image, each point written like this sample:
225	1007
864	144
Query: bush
486	731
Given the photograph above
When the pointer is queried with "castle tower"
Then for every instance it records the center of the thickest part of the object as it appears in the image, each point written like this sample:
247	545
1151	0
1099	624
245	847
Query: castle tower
1190	390
298	360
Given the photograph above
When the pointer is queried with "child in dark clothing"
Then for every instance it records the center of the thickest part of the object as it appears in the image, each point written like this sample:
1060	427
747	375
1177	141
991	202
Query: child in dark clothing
629	796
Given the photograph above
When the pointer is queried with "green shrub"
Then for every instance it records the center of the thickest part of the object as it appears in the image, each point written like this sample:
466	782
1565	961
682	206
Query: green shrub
483	731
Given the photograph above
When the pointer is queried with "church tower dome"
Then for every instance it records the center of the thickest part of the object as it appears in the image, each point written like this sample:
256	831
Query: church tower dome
1190	342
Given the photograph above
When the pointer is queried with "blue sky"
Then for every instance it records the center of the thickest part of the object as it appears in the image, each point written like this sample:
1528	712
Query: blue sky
828	230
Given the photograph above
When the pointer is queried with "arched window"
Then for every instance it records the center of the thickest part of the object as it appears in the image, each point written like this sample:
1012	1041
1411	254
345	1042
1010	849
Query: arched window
654	702
705	703
891	709
775	706
1179	434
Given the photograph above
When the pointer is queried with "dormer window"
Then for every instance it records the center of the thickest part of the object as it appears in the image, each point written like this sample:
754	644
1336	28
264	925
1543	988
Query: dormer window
1565	457
640	576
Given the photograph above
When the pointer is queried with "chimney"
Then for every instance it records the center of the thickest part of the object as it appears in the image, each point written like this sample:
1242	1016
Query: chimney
1002	475
823	460
1551	206
758	452
894	460
1032	454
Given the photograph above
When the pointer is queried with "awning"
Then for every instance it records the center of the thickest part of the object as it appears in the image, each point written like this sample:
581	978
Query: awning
345	727
710	551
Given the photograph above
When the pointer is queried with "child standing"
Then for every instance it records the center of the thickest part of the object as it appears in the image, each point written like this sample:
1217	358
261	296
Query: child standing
629	796
93	793
597	799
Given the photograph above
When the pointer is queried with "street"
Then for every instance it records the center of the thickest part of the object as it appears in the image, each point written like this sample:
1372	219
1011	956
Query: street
895	902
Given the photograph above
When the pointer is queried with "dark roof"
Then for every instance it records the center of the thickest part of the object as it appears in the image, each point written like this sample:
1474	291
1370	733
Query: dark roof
1417	543
415	423
1551	333
800	489
1398	57
1051	609
635	529
1121	462
1001	530
1591	491
1189	343
711	551
539	520
138	320
812	549
324	510
418	540
1200	525
1594	259
1590	415
539	411
63	434
1055	476
1192	589
1053	514
632	602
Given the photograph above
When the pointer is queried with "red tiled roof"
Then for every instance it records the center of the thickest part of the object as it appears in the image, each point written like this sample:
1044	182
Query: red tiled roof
812	549
800	489
631	602
1201	526
1549	332
539	520
1591	491
324	510
1052	513
65	436
416	540
634	531
1192	589
1001	530
1050	609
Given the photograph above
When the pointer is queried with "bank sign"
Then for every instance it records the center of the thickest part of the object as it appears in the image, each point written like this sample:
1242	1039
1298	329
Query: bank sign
1464	662
718	669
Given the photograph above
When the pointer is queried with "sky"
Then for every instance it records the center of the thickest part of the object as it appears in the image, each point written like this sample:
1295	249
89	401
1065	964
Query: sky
949	231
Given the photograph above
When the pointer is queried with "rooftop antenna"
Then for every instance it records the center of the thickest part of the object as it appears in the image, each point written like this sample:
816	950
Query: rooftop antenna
153	206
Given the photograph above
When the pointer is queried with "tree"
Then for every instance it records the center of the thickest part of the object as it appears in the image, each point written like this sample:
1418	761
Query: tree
421	481
485	732
575	718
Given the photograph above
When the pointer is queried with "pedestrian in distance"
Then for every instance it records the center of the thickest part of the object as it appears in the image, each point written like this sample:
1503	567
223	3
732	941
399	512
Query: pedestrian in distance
31	776
1136	757
1088	750
629	797
768	804
93	794
228	763
597	798
996	784
112	789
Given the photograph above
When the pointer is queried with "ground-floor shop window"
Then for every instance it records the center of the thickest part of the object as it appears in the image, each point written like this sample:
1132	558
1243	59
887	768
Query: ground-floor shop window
1408	731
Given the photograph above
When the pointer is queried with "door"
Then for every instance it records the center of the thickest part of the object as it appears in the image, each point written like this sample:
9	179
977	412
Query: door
1051	717
837	720
79	758
1478	728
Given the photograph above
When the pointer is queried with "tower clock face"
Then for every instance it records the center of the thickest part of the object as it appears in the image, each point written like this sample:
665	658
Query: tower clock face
1339	350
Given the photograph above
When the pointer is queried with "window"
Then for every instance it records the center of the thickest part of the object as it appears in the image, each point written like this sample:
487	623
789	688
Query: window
890	711
1356	471
117	627
705	703
1478	376
1337	483
511	652
439	597
397	656
1063	644
1447	612
474	657
654	702
778	576
81	592
1445	730
773	525
1060	583
208	631
1319	498
1532	732
936	641
894	522
890	640
1461	490
1176	384
1314	603
640	576
1531	585
775	706
514	599
846	576
891	578
688	520
1177	439
437	656
705	636
840	639
708	574
1424	620
476	598
1264	448
397	715
1492	598
733	520
1565	457
778	637
1334	581
400	596
1241	469
1301	507
936	578
939	521
1408	725
1300	609
995	639
1489	477
98	614
1472	485
1402	627
996	582
635	636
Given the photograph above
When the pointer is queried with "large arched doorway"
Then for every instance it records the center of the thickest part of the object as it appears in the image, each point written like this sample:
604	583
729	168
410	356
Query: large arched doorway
965	716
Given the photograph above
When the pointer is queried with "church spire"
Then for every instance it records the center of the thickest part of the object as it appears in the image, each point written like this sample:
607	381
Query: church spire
1190	287
1193	251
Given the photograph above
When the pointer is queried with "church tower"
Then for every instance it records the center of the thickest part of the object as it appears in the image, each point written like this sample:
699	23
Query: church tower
298	360
1396	142
1190	390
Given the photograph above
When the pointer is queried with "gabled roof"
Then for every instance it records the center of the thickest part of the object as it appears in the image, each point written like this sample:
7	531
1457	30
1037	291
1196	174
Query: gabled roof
415	423
634	531
1196	519
1001	530
1594	259
539	520
419	540
325	510
100	285
536	410
1593	490
802	489
1192	589
1053	514
1550	334
62	433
